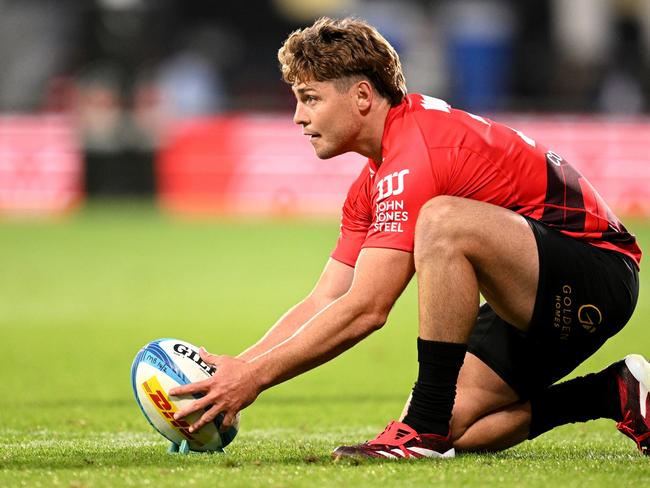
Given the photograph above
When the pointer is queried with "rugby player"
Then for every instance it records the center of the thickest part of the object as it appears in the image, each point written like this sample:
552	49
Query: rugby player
473	207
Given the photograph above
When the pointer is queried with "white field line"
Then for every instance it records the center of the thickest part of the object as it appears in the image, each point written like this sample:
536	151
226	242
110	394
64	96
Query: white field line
12	439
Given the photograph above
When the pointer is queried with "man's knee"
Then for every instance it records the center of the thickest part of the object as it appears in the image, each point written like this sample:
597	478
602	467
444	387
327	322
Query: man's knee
440	228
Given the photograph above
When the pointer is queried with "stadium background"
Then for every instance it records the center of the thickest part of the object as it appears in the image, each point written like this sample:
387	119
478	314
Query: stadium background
182	101
152	184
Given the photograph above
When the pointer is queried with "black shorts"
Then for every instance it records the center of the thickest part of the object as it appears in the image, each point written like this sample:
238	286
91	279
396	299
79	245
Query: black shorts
585	295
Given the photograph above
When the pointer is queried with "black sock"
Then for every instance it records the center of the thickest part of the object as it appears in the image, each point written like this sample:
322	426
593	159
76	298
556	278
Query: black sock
435	390
589	397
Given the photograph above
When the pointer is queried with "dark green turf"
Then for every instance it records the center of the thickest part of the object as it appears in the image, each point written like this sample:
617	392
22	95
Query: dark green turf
79	297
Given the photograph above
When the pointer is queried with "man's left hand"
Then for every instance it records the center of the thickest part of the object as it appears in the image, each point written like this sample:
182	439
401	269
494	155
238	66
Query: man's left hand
232	388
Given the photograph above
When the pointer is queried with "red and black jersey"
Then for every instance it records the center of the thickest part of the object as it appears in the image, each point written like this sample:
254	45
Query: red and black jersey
431	149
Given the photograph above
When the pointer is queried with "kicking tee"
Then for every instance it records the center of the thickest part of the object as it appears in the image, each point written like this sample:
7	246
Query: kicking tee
431	149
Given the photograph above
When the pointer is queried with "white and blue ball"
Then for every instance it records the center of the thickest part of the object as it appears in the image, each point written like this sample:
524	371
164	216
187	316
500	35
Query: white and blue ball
157	368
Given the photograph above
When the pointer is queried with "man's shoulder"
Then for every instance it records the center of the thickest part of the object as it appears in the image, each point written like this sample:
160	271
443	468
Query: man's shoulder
427	120
432	123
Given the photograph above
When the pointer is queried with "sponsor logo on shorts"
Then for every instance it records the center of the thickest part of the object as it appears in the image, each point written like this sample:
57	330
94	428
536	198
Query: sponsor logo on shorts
165	407
562	314
589	317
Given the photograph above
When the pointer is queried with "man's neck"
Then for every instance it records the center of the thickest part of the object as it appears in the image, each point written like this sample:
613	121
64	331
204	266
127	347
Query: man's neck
370	141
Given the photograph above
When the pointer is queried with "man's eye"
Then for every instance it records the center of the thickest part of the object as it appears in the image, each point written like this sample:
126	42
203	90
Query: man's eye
310	98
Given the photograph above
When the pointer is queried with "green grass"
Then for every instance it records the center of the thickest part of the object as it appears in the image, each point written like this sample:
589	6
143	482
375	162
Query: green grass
79	297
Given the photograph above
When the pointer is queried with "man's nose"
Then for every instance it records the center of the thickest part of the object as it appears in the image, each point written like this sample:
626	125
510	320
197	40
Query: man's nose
299	116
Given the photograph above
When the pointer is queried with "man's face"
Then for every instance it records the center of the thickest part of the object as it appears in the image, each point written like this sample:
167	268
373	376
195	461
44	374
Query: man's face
329	117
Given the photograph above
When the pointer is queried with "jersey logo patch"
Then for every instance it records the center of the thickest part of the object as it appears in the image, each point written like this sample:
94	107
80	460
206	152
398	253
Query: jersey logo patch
391	185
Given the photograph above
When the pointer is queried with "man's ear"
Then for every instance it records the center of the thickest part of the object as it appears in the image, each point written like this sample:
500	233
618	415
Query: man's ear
364	94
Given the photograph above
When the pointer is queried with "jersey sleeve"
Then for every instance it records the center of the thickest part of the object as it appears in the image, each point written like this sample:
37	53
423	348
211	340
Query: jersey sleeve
355	221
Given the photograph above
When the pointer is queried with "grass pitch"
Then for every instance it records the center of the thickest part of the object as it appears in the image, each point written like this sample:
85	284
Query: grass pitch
79	297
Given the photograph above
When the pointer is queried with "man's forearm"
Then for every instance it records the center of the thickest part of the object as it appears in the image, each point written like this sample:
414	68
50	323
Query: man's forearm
284	328
330	332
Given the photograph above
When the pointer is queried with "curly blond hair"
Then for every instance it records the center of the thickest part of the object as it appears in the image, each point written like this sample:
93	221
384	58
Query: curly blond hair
343	50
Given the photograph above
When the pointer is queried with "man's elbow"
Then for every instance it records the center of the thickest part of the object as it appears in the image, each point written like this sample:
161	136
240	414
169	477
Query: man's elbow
374	319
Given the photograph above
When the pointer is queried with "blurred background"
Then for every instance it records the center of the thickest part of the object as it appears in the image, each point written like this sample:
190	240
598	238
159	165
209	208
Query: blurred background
182	102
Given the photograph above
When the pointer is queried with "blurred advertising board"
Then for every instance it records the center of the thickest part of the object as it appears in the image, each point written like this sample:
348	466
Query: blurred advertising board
40	165
252	164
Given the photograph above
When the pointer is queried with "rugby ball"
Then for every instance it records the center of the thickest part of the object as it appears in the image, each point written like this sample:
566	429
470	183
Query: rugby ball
157	368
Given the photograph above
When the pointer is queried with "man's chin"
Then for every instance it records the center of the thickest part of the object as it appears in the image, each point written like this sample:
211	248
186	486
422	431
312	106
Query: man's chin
323	153
325	156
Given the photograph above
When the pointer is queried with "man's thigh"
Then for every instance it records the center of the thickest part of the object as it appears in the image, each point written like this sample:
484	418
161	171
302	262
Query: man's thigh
498	243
